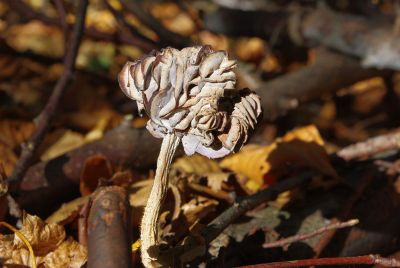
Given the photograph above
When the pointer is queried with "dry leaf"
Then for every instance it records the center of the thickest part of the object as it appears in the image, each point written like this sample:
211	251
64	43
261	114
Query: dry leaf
250	49
215	180
98	130
13	132
198	208
269	217
173	18
6	247
196	164
67	142
36	37
140	193
49	245
216	41
19	256
67	210
43	237
69	254
262	164
96	167
7	158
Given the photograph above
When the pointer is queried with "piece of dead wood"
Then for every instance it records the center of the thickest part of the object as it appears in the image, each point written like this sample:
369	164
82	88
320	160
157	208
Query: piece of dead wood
330	72
108	229
371	147
56	181
371	39
375	42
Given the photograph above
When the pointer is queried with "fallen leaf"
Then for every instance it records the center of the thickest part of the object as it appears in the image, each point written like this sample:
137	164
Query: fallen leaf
196	164
36	37
98	130
215	180
173	18
216	41
250	49
67	210
266	218
198	208
14	132
49	244
67	142
302	147
7	158
69	254
140	192
43	237
96	167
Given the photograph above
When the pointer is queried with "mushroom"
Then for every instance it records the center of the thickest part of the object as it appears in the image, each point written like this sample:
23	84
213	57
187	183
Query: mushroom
189	95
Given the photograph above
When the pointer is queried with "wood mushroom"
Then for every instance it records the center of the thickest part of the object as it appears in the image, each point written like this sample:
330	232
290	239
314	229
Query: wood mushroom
189	95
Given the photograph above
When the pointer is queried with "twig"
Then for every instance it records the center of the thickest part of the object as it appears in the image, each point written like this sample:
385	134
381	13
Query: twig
358	260
219	224
108	229
287	241
371	146
345	211
63	19
28	14
48	112
166	37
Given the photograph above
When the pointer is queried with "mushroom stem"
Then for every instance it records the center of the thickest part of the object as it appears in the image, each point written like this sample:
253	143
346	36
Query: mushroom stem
149	228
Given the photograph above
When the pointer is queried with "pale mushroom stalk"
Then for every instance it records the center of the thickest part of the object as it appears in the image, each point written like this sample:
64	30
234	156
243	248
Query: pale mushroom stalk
149	228
189	95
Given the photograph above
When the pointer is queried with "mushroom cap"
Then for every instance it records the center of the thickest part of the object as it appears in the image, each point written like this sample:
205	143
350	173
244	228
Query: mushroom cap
191	93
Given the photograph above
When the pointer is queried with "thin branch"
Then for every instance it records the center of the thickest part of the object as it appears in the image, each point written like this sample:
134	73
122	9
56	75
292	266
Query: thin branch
371	146
27	13
219	224
358	260
332	226
345	211
166	36
48	112
63	18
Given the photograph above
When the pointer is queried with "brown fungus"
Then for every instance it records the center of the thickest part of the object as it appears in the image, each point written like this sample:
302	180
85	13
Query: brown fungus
188	95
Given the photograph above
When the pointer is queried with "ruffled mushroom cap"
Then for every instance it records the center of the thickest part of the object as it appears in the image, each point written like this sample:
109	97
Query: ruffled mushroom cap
191	93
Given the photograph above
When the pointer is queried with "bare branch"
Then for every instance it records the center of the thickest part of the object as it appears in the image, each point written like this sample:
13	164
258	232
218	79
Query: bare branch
287	241
44	119
219	224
